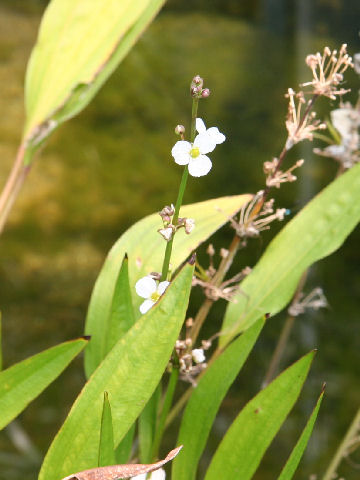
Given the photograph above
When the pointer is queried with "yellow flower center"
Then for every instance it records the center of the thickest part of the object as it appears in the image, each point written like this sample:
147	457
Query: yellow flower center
194	152
155	296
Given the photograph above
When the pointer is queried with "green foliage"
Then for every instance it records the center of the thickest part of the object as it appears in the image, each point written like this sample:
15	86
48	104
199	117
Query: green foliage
247	439
319	229
123	450
106	443
23	382
291	465
145	250
85	42
147	426
130	374
110	328
200	413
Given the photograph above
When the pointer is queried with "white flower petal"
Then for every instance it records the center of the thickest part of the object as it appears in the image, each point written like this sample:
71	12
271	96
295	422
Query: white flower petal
162	287
200	125
145	306
198	355
145	287
182	159
181	152
158	474
215	135
200	166
205	143
142	476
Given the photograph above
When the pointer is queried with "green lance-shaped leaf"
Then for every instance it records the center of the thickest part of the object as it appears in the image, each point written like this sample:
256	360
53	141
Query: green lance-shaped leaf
291	465
318	230
206	399
106	444
24	381
147	426
145	249
80	44
247	439
129	373
110	328
123	450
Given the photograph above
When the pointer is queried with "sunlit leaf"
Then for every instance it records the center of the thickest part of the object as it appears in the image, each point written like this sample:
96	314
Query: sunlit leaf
79	45
318	230
109	329
145	249
206	399
291	465
247	439
129	373
24	381
106	444
115	472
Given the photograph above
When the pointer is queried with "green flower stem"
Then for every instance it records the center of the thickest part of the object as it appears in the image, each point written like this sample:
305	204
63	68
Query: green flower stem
164	411
169	245
344	448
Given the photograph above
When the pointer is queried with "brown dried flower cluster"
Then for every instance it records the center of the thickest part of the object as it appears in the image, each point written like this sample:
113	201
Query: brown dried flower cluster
300	126
328	70
249	225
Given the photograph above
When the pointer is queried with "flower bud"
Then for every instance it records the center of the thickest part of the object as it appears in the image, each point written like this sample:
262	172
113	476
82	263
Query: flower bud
198	81
205	93
179	130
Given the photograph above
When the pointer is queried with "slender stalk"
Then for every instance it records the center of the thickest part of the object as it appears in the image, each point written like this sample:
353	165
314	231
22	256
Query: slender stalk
13	185
224	266
342	451
169	245
164	411
284	336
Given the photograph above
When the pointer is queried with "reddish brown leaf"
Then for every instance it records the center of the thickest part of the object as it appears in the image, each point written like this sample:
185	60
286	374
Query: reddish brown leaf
115	472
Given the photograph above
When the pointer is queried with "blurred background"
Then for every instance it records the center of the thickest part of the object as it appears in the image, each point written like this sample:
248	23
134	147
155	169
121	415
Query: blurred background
111	166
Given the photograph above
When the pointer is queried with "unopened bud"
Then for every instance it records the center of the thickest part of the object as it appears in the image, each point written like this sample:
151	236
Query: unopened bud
198	81
210	250
195	91
179	130
205	93
189	225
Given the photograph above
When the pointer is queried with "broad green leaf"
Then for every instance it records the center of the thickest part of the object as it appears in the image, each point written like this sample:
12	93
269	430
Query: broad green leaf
109	329
24	381
206	399
291	465
1	357
123	450
129	373
247	439
80	44
147	426
106	444
318	230
145	249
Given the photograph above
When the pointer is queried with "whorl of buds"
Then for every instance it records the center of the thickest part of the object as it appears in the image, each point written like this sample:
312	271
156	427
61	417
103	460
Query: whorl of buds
196	88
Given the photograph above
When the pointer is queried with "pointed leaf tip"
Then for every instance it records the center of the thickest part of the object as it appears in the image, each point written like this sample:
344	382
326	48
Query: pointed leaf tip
192	259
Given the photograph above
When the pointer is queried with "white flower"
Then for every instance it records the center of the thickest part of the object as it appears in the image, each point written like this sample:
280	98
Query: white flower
213	132
156	475
147	288
198	355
